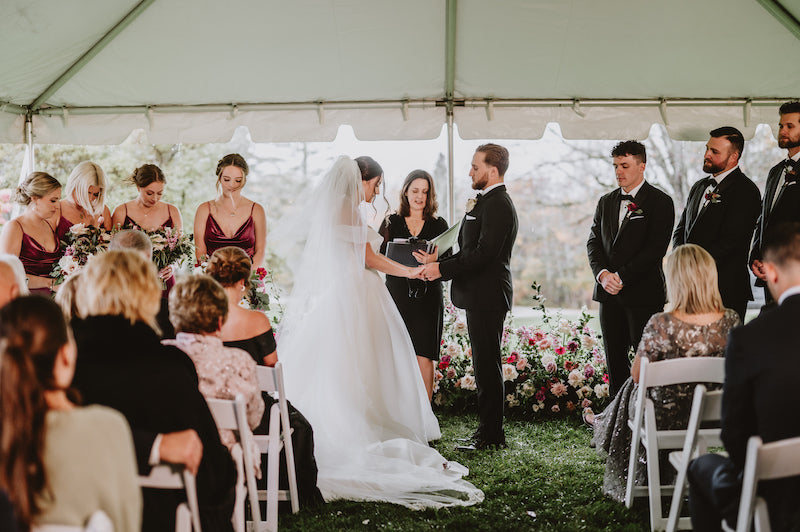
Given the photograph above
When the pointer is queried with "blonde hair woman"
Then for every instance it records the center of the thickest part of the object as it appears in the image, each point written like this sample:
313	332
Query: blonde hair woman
85	199
125	366
696	324
31	236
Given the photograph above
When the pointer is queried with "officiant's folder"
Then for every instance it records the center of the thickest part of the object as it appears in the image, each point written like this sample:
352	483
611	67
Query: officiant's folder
402	250
448	239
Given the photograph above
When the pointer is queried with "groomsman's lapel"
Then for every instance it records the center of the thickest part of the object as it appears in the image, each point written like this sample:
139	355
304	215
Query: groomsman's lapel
639	200
769	196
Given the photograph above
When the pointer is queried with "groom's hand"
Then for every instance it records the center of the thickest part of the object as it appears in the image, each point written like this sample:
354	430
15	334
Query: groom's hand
431	272
610	282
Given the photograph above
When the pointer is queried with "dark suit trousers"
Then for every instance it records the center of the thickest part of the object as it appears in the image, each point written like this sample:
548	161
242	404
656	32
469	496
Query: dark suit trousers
714	491
485	334
622	330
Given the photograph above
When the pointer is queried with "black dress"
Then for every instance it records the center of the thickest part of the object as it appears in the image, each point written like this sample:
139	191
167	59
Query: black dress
302	435
419	302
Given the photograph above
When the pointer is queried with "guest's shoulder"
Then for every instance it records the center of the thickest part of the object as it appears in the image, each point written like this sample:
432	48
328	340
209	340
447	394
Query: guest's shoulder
88	419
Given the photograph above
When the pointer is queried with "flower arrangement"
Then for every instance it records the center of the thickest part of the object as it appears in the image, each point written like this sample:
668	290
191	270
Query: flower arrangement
80	244
557	368
258	295
170	246
6	206
634	209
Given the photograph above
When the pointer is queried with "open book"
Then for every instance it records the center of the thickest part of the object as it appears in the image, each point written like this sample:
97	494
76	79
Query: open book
402	249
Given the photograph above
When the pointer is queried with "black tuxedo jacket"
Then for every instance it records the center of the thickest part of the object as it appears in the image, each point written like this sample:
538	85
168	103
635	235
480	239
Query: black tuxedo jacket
635	249
786	209
754	401
480	270
155	387
724	229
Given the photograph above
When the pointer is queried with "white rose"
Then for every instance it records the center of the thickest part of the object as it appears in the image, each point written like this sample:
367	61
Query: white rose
548	359
564	326
460	327
454	350
528	389
575	378
509	372
468	382
601	390
79	229
586	391
588	342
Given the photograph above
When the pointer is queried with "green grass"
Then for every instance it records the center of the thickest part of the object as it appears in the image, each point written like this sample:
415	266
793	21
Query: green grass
547	469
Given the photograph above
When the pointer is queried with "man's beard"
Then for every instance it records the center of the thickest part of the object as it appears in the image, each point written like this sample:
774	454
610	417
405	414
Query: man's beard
481	183
713	169
788	144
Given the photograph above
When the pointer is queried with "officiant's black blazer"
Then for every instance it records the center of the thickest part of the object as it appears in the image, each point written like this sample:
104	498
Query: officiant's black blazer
724	229
634	249
786	209
480	271
754	400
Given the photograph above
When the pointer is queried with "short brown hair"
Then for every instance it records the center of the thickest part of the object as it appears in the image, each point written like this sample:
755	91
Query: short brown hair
229	265
431	205
495	155
196	305
782	244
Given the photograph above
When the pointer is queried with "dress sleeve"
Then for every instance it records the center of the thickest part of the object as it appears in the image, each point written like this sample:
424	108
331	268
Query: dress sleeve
654	339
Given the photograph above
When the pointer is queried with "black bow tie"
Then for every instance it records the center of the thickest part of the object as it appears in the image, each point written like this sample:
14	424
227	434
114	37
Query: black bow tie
709	181
626	197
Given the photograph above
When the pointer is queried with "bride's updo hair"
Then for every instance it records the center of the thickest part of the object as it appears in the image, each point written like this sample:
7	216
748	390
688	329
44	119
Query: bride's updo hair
146	174
232	159
229	265
368	167
36	185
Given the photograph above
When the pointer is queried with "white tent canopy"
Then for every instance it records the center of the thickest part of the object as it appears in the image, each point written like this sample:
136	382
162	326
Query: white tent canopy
91	71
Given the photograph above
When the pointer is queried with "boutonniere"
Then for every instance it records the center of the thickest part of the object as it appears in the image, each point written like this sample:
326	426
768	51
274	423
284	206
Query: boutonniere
634	209
791	174
471	204
713	197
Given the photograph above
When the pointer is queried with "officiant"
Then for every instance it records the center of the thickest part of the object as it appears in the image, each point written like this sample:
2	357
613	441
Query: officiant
419	302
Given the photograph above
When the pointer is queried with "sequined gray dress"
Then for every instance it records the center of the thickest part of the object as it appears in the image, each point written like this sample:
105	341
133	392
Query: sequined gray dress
664	337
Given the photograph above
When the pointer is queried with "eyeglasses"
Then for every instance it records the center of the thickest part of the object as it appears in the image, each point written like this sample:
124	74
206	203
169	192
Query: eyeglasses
417	291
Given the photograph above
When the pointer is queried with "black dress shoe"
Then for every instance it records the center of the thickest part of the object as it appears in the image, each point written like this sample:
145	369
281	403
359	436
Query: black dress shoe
481	445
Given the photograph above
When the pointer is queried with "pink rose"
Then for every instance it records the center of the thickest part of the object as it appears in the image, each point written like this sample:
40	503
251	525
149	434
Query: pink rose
522	363
558	389
586	403
451	373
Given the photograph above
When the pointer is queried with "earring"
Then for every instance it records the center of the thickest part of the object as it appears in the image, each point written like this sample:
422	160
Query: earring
242	288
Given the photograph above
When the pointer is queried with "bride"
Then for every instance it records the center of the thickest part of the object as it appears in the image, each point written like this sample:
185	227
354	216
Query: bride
349	362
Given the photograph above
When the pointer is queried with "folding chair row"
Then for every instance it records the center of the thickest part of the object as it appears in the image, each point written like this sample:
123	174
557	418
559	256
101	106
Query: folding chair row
176	477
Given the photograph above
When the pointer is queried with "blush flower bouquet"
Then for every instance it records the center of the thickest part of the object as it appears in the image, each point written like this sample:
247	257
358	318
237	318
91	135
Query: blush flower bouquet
81	243
555	369
171	246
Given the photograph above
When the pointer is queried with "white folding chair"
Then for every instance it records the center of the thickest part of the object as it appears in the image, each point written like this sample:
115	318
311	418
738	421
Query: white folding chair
98	522
232	415
644	429
706	408
764	461
280	436
176	477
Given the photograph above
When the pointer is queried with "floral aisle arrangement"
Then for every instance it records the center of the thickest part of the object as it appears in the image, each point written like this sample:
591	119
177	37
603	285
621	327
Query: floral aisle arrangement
554	369
6	205
80	244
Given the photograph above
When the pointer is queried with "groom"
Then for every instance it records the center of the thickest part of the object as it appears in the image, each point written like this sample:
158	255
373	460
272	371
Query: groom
482	285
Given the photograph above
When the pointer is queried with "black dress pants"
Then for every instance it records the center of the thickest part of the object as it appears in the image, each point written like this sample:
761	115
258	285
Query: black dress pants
485	327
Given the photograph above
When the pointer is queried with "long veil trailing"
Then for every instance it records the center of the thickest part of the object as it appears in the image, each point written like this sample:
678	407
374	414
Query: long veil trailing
349	363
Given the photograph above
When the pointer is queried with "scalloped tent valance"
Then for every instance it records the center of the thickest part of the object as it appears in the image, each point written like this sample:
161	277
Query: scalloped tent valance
91	71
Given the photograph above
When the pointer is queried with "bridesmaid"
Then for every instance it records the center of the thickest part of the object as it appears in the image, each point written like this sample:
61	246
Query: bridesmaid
231	214
31	236
85	201
419	302
147	212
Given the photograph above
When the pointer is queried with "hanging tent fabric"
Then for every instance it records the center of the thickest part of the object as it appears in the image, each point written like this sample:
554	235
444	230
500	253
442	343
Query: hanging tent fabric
91	71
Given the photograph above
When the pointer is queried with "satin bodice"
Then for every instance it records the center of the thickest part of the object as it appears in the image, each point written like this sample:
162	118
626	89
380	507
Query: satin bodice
63	228
244	238
129	223
35	258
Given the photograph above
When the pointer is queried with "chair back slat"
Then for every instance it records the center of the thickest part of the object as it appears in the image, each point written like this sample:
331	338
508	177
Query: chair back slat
224	413
267	380
683	370
779	459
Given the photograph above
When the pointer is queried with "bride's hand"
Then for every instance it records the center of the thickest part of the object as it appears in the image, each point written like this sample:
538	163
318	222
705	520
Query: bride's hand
415	273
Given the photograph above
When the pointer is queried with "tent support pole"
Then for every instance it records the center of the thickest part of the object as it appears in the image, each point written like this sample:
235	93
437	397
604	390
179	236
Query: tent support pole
449	94
29	153
782	15
89	55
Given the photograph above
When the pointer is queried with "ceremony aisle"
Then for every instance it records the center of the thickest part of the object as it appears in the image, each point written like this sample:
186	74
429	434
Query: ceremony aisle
547	470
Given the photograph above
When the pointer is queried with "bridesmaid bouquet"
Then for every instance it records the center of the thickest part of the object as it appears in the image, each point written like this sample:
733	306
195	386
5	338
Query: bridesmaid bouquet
554	369
258	296
80	244
171	246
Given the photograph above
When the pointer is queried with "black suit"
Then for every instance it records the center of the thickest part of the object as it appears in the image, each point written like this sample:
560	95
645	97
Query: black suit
754	402
481	277
155	387
724	228
635	250
786	209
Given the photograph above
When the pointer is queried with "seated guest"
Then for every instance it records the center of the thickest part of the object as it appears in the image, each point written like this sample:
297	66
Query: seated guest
198	308
251	330
139	241
696	324
12	278
754	401
66	296
122	364
31	236
246	329
59	463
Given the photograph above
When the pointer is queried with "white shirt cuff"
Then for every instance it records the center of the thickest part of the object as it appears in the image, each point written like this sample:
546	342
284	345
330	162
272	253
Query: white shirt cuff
599	274
155	453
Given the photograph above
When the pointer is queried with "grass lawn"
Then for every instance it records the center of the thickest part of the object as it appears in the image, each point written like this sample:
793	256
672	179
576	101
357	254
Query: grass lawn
548	469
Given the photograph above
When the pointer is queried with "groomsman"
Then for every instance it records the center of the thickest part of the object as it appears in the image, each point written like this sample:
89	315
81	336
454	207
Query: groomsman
781	195
720	216
482	285
627	243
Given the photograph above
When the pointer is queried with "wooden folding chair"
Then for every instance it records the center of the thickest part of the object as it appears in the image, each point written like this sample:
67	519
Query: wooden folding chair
764	461
232	415
644	429
706	409
280	436
176	477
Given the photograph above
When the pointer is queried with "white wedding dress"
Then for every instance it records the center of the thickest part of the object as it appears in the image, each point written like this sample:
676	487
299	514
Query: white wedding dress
349	363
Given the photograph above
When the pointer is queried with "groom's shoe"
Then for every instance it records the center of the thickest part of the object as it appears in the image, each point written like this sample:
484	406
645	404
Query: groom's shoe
481	445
